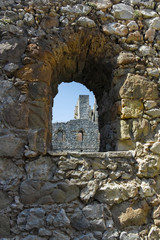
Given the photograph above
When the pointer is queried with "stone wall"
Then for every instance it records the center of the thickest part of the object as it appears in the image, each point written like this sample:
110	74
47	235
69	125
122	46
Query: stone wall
81	196
112	47
70	131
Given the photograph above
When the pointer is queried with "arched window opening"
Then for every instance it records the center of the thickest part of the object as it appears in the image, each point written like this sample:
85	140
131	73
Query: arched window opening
75	118
80	136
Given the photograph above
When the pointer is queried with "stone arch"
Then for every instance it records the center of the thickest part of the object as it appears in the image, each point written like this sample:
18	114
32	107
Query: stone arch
80	57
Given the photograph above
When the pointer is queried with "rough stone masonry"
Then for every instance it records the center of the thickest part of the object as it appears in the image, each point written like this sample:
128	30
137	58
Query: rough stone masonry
80	134
113	48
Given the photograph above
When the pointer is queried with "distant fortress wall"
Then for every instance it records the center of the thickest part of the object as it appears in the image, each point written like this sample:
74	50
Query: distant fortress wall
80	134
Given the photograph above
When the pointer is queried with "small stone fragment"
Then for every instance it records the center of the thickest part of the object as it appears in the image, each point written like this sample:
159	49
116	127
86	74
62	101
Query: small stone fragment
86	22
156	148
122	11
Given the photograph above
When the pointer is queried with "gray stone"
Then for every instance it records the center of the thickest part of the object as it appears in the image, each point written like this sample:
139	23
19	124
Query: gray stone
44	232
148	13
129	236
11	67
41	169
79	222
120	154
115	28
29	19
33	237
59	236
86	22
150	104
153	72
9	172
155	23
156	148
154	112
94	211
146	50
4	200
61	219
115	193
35	218
98	225
12	49
149	166
11	146
88	236
154	233
4	226
122	11
89	191
71	191
30	191
110	234
78	9
58	196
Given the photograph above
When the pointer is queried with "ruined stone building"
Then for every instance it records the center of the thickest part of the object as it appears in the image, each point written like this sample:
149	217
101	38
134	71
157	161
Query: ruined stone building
113	48
80	134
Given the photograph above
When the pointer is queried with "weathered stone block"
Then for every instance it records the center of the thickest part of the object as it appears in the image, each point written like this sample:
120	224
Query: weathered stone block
122	11
88	236
59	236
11	146
89	191
9	172
149	166
61	219
123	133
4	226
4	200
103	4
140	128
131	108
150	104
71	191
115	28
33	237
138	87
38	114
79	222
156	148
12	49
30	191
40	169
49	22
86	22
148	13
16	115
115	193
131	215
126	58
94	211
39	91
154	112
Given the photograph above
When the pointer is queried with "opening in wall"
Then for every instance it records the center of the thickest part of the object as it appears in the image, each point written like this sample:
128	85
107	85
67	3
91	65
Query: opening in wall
75	119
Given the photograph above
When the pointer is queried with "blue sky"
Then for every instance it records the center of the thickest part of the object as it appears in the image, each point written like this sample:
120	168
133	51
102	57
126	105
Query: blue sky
66	99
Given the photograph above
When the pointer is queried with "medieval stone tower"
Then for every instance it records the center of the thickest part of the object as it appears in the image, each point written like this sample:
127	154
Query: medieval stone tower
80	134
